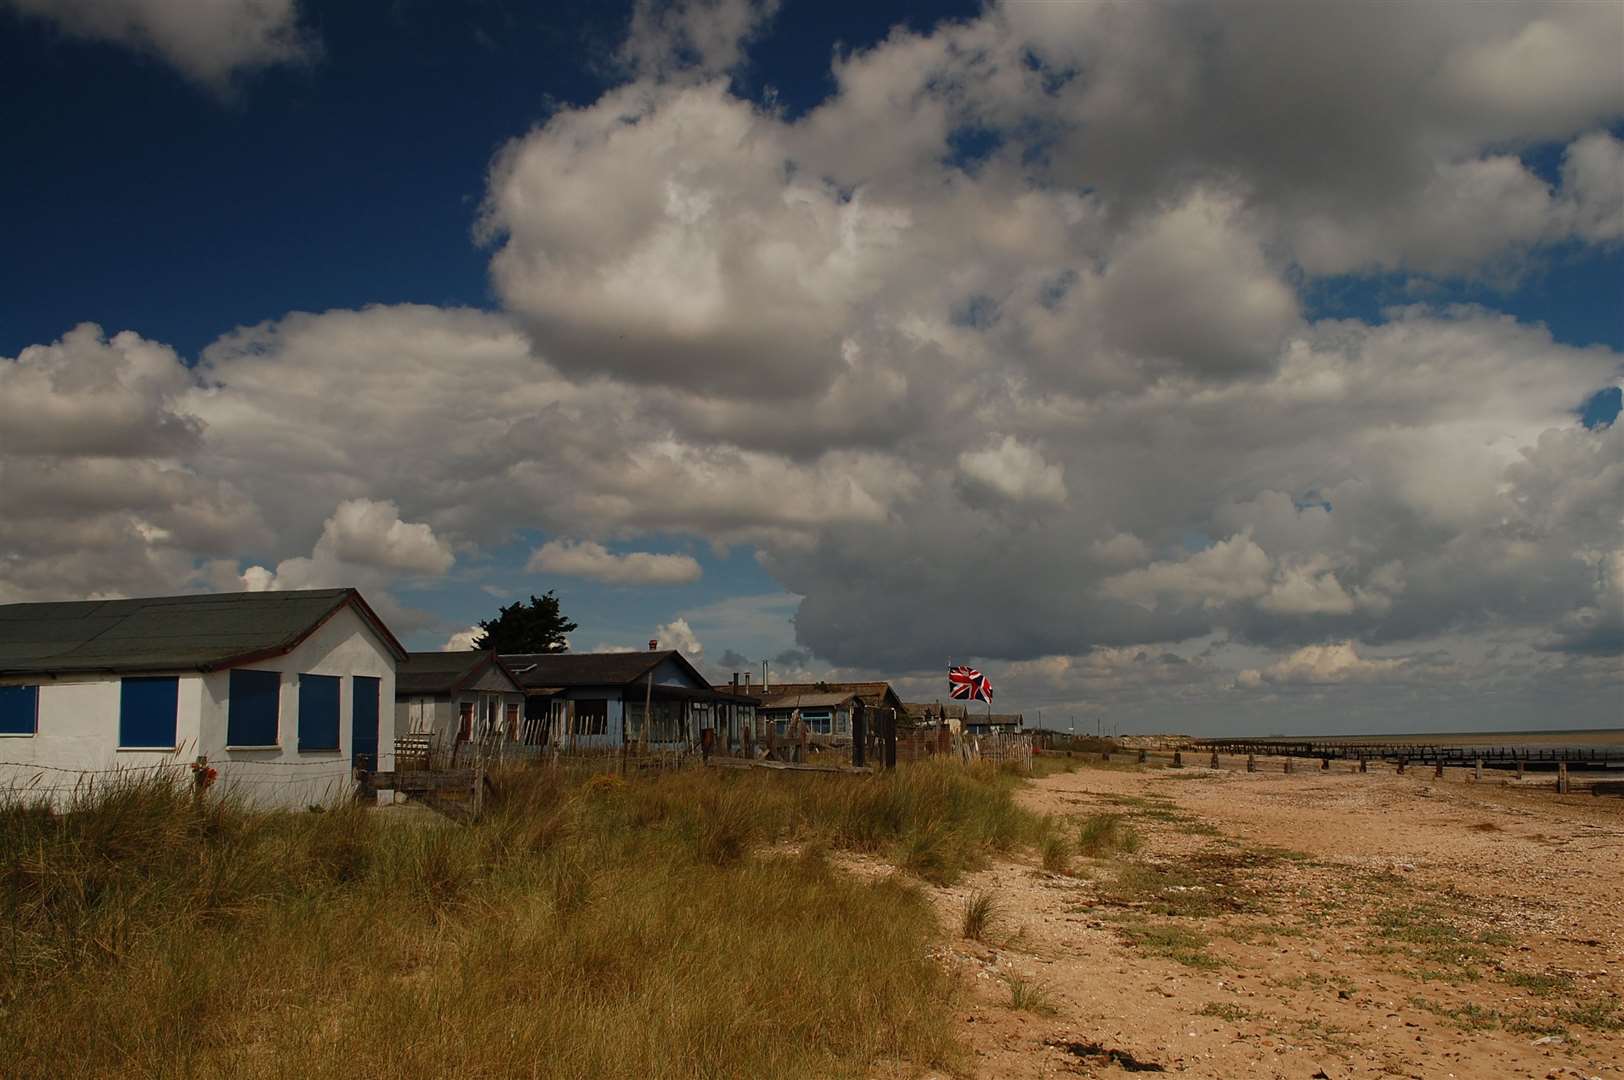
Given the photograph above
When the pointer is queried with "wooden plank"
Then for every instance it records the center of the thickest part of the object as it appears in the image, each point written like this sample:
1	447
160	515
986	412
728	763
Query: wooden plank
422	780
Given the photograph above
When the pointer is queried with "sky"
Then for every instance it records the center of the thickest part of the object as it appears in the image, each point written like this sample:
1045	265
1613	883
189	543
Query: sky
1240	368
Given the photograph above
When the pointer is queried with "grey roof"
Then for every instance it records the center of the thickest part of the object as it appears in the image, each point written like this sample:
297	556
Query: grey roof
537	670
875	693
548	673
827	700
204	632
444	672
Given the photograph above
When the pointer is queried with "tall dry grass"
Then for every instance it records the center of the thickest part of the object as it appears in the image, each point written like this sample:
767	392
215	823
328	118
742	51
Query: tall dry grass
587	926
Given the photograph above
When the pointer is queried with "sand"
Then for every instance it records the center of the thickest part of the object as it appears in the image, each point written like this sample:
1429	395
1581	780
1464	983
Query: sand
1330	924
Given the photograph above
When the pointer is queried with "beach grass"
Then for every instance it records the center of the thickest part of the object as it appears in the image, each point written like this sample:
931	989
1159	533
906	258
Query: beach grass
674	925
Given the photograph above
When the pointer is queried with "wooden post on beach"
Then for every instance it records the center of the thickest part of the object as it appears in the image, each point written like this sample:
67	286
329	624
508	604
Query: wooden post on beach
1288	765
1362	763
1561	778
1519	767
1477	769
1143	757
1438	770
1215	759
1251	763
1325	764
1178	759
1402	761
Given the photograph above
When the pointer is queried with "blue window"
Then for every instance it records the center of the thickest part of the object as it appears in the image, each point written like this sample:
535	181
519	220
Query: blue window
146	712
19	710
251	714
364	693
318	712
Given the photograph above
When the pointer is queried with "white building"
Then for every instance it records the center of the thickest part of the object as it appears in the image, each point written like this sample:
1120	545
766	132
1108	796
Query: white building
457	699
278	691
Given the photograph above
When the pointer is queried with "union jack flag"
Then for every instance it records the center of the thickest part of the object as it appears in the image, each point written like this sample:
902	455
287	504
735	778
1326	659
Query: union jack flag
968	684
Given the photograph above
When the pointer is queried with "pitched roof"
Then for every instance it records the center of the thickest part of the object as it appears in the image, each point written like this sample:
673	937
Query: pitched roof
203	632
564	670
445	672
824	700
873	693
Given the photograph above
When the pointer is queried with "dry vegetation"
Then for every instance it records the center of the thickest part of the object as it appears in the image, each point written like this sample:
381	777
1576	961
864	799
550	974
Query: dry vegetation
679	925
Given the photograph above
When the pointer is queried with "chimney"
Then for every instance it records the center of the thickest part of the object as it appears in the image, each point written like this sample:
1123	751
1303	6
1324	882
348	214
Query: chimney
653	645
764	676
735	683
747	675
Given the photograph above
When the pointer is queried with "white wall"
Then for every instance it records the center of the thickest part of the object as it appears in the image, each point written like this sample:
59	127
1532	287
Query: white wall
342	646
76	739
79	716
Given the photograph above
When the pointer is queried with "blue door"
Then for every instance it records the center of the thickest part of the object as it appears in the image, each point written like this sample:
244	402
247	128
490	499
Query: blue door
364	723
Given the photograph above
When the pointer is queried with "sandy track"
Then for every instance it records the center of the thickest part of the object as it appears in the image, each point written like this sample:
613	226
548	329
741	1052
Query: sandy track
1313	924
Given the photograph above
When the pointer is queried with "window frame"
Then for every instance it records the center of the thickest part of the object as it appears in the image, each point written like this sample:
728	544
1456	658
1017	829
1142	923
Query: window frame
276	710
591	722
124	686
34	730
337	684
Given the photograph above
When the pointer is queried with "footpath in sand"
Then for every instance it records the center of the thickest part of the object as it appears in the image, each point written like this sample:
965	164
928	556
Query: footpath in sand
1312	924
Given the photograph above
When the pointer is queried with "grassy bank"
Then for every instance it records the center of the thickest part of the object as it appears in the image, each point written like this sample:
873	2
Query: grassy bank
587	927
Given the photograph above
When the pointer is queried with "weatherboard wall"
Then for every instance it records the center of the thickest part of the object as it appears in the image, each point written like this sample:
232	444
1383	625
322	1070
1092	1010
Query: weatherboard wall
77	733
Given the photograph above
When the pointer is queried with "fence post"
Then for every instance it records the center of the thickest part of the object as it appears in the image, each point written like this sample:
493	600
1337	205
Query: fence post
1215	759
1519	768
859	732
1477	769
1288	765
1402	761
1178	759
1325	764
888	731
1362	763
1561	778
1438	770
1251	763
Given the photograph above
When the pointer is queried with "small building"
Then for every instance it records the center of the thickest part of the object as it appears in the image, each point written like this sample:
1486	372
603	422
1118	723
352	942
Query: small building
597	701
993	723
879	701
281	692
824	712
453	699
933	714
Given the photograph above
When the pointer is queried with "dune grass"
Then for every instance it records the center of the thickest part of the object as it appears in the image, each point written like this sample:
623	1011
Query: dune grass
1101	834
585	927
979	916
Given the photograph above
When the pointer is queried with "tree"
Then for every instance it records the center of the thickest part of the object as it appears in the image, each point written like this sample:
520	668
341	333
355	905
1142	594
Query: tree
537	627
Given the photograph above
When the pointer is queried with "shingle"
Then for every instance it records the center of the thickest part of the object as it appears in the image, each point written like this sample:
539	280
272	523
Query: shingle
439	672
160	633
536	670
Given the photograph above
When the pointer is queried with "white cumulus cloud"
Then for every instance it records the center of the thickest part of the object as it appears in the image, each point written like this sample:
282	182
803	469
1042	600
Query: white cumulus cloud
592	560
210	41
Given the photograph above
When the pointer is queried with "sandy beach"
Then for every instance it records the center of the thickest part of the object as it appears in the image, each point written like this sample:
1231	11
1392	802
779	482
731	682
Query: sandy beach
1311	924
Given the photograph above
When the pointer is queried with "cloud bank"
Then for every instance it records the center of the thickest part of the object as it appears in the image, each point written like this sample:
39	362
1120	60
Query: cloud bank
1001	351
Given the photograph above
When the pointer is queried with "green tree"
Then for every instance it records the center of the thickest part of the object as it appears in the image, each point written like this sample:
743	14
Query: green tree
536	627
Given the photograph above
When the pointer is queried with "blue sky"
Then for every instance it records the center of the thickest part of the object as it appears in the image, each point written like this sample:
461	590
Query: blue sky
1229	368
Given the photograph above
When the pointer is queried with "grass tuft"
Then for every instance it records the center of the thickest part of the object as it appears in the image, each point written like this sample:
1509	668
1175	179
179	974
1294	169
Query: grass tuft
1056	854
1102	834
1027	995
980	914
